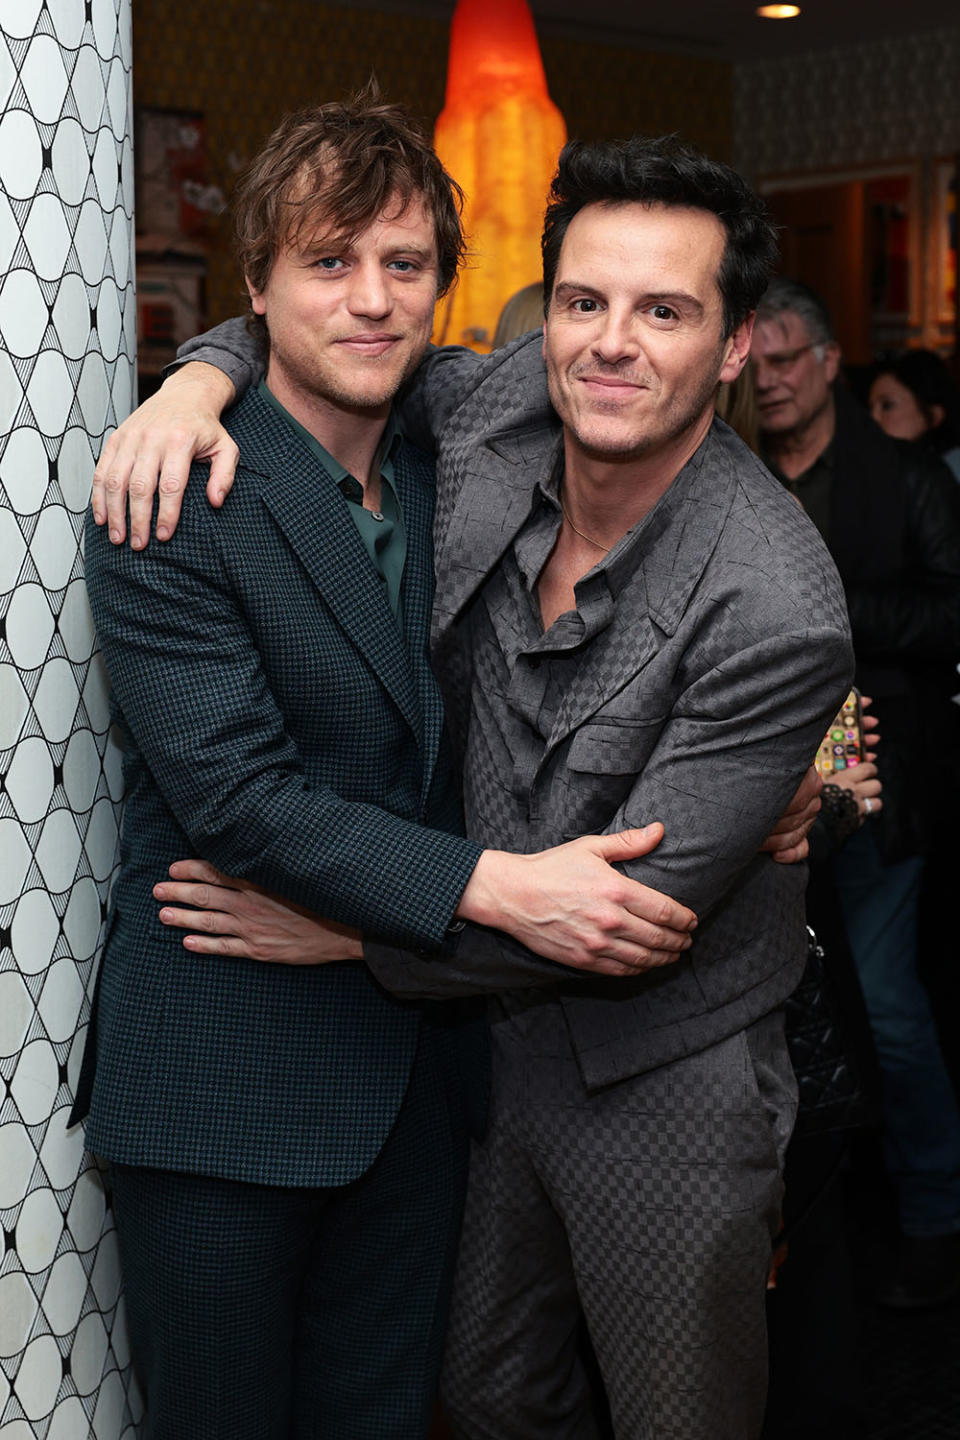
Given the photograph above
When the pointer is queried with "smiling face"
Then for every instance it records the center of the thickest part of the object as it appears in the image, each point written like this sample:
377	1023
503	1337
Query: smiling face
633	341
350	320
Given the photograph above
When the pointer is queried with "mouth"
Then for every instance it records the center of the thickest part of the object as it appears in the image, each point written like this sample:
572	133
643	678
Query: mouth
610	387
369	343
768	404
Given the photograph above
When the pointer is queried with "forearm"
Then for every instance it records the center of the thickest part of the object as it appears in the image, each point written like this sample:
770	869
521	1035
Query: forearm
730	758
481	961
203	385
229	348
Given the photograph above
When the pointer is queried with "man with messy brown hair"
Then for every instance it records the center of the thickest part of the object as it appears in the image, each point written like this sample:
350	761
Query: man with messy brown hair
288	1142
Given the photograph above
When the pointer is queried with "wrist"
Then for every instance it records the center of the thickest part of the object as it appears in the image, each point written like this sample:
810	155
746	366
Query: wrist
208	387
482	901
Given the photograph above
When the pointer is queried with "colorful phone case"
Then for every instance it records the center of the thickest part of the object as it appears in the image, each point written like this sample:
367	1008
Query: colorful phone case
842	746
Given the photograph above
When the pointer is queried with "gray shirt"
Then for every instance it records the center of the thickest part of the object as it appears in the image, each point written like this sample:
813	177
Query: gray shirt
520	675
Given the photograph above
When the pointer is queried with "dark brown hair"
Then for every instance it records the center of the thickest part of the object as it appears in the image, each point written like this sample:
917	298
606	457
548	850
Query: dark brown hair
339	165
663	171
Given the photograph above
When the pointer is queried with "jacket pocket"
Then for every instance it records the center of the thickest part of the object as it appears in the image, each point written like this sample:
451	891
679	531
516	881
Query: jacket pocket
614	747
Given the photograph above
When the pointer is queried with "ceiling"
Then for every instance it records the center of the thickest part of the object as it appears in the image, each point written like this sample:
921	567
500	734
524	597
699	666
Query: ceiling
725	29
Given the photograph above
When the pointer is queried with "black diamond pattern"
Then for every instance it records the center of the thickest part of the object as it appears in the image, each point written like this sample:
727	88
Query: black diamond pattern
67	351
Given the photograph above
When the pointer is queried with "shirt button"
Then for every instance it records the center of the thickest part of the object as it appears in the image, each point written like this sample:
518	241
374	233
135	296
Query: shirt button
376	514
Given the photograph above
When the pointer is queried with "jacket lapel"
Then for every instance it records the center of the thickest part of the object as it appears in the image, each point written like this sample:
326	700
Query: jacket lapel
308	508
416	492
493	502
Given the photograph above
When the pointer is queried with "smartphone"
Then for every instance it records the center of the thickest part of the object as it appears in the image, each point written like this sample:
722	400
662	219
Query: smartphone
842	746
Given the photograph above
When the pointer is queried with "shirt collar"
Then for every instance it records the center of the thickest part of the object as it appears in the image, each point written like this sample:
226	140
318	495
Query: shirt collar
386	450
825	461
620	565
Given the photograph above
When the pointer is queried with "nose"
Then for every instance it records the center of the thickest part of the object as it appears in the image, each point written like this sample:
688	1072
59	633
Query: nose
369	294
764	377
617	338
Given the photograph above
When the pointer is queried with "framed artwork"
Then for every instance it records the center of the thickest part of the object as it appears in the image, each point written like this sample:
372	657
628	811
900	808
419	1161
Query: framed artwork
171	178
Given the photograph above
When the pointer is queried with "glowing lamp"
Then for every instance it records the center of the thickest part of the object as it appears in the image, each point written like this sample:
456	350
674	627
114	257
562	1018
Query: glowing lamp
499	136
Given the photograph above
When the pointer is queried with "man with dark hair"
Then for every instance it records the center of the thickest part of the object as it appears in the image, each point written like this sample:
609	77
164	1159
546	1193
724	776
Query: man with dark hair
288	1144
891	517
631	620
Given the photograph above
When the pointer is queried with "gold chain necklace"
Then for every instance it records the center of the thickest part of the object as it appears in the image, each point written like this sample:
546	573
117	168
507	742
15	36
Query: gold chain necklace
589	538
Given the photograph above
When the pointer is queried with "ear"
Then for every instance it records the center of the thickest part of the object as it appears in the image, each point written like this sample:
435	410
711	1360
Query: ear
736	351
831	360
258	300
936	414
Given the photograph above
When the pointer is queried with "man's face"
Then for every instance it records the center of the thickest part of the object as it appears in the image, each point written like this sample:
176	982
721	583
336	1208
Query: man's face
633	341
791	375
349	322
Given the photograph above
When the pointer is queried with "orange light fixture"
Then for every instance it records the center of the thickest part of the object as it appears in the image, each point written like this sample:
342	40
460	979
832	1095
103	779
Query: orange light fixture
499	136
778	12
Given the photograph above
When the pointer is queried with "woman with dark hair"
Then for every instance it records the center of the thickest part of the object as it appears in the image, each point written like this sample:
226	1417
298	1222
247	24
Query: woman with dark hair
914	397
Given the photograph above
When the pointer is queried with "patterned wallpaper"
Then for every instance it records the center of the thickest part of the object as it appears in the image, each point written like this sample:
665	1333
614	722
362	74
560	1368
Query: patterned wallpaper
886	100
244	64
67	340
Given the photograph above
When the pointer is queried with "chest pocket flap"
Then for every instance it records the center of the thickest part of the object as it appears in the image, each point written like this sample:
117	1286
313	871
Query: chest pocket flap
614	746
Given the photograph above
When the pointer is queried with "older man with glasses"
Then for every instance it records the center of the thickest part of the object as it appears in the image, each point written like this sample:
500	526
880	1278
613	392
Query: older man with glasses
891	519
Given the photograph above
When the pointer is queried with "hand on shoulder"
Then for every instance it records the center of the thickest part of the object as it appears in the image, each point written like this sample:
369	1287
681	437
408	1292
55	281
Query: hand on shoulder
154	448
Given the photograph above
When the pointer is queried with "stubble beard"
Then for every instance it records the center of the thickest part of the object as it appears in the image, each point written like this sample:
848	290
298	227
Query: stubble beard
322	382
662	428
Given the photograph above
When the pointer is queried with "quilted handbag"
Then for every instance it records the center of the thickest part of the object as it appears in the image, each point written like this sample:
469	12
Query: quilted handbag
832	1095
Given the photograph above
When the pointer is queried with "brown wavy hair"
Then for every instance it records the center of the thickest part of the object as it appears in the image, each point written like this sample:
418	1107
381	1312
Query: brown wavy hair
344	162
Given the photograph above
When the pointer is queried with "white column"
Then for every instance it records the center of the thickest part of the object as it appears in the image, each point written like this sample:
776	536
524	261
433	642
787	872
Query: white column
67	335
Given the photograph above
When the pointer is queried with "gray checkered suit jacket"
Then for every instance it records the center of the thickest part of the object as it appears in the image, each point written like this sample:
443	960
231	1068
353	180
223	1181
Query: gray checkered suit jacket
701	707
277	723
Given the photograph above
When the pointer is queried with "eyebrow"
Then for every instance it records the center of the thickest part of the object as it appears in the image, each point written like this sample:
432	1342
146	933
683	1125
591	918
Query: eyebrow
419	252
677	298
338	244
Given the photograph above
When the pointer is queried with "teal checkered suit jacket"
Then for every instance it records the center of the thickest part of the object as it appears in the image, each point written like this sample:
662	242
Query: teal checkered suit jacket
277	722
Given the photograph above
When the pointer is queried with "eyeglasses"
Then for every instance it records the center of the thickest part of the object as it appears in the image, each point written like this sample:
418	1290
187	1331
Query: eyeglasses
783	360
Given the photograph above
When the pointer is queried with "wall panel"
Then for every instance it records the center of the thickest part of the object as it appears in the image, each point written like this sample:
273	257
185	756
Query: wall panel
66	375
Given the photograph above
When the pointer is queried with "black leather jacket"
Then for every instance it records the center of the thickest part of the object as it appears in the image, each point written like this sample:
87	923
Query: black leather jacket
895	536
